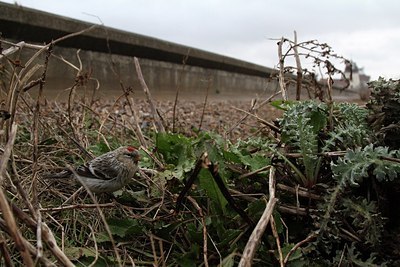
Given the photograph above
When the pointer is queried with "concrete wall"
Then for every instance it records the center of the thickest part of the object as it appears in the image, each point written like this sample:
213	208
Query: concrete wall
107	54
163	78
104	49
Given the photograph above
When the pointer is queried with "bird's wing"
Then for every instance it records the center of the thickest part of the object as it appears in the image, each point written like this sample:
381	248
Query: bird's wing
85	171
100	170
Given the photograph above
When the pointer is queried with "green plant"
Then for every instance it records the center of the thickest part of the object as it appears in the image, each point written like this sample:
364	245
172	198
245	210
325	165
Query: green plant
362	163
350	128
305	131
384	107
300	126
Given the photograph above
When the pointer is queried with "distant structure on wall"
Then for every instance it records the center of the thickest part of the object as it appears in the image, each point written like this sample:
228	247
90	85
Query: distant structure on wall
358	80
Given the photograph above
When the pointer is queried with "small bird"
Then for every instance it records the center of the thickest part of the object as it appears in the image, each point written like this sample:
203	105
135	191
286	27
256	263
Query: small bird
106	173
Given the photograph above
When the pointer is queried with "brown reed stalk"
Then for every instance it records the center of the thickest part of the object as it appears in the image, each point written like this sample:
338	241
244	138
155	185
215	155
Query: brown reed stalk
255	238
282	70
8	216
205	102
159	126
178	88
299	76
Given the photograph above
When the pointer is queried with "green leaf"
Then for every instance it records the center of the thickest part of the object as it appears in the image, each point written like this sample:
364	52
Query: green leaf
75	253
318	119
354	166
210	186
175	148
177	151
256	208
295	255
100	262
281	104
231	157
229	236
255	162
228	261
278	222
49	141
301	125
124	227
130	196
195	233
99	148
189	258
102	237
350	129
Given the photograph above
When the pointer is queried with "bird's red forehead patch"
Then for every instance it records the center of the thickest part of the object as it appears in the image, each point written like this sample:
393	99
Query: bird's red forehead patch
131	148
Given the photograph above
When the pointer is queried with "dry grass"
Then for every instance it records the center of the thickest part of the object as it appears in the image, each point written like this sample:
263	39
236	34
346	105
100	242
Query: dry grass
51	222
55	223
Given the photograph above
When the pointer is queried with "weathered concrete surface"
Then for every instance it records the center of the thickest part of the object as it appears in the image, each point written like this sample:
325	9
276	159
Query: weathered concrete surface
108	55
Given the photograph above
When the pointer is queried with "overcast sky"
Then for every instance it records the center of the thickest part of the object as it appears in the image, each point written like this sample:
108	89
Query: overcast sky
365	31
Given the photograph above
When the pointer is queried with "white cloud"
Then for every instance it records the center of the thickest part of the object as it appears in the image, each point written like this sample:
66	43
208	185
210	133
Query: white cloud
374	49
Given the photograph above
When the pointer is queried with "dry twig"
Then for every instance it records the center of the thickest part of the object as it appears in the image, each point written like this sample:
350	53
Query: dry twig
47	235
299	77
203	222
32	250
295	247
255	238
8	216
282	70
277	240
156	116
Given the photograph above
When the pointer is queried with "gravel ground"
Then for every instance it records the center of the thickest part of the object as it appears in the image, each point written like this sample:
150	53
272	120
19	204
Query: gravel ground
225	117
218	116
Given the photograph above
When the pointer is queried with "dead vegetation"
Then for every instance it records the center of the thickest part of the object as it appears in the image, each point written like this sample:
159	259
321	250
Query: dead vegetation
40	135
210	179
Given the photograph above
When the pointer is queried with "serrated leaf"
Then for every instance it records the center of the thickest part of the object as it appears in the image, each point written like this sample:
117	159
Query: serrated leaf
278	222
256	208
301	125
354	166
195	233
